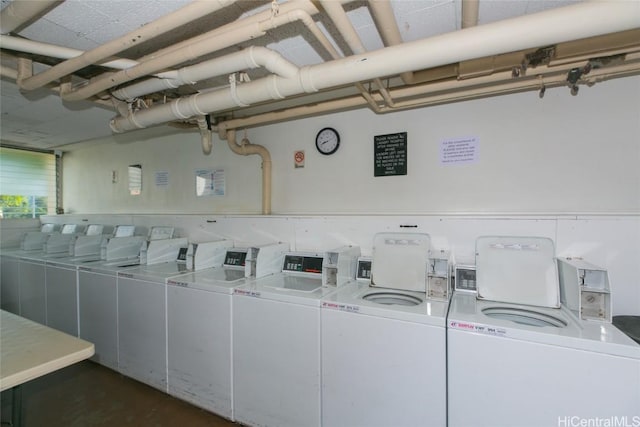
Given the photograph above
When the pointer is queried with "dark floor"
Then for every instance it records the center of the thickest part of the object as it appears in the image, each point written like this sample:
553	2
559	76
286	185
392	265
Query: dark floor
87	394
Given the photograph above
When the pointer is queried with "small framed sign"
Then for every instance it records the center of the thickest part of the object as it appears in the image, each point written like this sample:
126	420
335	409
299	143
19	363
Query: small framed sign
390	154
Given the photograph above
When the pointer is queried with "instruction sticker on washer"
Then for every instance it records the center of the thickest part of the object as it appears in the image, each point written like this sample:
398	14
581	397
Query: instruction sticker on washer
342	307
481	329
460	150
246	293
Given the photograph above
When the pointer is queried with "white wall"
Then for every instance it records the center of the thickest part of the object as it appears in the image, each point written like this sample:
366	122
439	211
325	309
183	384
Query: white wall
561	154
564	167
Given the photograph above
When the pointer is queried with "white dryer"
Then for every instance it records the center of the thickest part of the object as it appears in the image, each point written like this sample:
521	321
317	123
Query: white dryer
384	347
515	356
276	345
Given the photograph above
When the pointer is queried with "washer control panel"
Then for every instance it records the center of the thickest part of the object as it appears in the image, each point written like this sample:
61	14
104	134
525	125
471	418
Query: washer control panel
235	258
303	264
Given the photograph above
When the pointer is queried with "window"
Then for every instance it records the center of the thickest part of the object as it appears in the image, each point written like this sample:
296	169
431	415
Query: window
27	183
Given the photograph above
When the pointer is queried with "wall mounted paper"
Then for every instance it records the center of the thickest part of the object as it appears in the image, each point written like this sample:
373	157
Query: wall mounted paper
460	150
210	182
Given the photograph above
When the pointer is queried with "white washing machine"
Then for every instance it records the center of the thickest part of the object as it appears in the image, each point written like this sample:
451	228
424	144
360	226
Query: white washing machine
276	345
98	296
199	325
516	356
142	312
384	348
98	307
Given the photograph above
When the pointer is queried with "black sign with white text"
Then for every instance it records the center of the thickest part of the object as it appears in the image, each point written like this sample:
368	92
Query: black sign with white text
390	154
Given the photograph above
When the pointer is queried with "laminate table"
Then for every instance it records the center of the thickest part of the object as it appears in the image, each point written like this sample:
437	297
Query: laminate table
29	350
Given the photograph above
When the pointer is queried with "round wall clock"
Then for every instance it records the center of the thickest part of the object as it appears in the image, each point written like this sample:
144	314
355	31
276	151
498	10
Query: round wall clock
327	141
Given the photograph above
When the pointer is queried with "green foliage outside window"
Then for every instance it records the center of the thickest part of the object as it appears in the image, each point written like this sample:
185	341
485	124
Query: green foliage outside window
22	206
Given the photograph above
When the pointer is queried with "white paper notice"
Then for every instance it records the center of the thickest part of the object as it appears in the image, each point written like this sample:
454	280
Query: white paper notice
162	179
461	150
210	182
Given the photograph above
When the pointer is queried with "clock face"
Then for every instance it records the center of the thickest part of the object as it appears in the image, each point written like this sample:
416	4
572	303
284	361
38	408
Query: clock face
327	141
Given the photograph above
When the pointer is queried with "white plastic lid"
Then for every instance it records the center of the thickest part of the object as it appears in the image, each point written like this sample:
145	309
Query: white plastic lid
519	270
160	233
68	229
124	231
94	229
400	260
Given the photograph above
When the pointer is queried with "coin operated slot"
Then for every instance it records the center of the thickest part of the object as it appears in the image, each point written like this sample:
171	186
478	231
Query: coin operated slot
438	277
251	262
339	266
584	289
464	278
363	272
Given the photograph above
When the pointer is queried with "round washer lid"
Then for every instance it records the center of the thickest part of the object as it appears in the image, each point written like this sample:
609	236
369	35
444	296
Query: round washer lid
519	270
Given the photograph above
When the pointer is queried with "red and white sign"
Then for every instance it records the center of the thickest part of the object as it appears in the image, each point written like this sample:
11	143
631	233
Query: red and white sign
298	158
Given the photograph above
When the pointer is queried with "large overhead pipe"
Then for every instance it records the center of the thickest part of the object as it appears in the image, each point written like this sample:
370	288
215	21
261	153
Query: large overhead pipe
149	31
253	57
385	21
19	13
564	24
438	93
55	51
193	49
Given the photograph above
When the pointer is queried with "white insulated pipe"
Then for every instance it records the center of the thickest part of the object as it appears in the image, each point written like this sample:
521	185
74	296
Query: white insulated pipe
205	134
154	65
55	51
341	20
209	42
147	32
253	57
384	18
245	149
284	9
431	93
470	9
560	25
21	12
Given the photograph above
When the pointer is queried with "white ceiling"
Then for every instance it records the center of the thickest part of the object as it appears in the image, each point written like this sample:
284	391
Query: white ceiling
39	119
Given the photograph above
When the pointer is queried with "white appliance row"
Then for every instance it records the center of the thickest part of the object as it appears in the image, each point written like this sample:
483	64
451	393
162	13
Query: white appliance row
272	338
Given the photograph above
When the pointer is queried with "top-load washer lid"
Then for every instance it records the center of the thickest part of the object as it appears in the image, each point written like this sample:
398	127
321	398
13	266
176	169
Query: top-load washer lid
400	261
519	270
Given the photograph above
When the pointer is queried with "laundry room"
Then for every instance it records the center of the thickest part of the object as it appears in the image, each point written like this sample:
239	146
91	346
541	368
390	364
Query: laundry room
261	203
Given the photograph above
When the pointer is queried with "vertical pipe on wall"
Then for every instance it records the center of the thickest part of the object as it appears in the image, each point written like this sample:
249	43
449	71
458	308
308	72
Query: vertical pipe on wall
470	10
245	148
